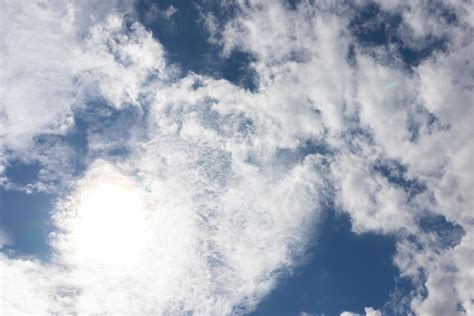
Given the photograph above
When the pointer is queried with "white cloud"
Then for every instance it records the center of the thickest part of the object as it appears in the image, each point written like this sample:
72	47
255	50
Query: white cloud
173	246
37	52
154	13
217	229
395	124
345	313
218	217
369	311
56	57
37	86
118	59
26	278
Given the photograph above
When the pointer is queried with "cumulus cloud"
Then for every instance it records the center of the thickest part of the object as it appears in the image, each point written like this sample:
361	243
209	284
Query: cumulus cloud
118	57
214	200
37	88
222	220
188	247
57	57
369	311
424	124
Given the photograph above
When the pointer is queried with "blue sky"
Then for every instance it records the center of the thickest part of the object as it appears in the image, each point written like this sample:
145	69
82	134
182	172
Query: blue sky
211	158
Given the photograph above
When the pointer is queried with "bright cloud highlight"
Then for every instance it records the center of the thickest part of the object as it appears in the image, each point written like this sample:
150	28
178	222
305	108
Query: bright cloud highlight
199	196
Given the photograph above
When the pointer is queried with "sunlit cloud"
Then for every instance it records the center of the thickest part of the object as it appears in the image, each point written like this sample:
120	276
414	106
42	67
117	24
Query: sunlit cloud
198	196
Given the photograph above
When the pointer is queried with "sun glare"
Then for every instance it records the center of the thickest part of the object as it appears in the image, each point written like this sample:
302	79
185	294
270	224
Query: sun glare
110	222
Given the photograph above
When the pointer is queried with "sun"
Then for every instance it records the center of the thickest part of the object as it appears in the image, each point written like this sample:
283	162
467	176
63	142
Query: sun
110	224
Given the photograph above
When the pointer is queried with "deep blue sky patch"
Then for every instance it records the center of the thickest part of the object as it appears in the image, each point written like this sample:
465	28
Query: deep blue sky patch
26	218
346	272
186	40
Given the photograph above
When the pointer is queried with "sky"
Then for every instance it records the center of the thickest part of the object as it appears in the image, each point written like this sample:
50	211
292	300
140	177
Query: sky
287	157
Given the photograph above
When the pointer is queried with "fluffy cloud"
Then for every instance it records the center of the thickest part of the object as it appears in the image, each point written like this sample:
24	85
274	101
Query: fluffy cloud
424	125
222	189
222	218
118	56
188	247
37	86
56	58
369	311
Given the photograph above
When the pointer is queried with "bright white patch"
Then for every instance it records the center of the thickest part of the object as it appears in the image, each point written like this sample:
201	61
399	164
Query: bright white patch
110	224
